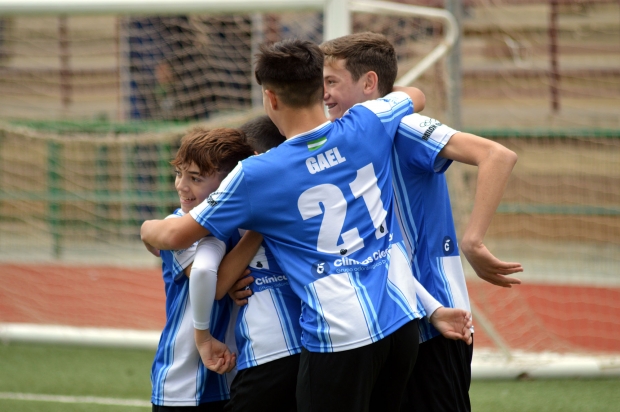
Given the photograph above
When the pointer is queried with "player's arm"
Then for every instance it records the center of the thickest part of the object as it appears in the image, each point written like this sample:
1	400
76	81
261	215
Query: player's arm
203	279
452	323
240	292
202	285
417	97
236	261
171	234
495	163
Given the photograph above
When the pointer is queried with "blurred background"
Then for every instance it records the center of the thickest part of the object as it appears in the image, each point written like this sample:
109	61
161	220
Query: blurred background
92	108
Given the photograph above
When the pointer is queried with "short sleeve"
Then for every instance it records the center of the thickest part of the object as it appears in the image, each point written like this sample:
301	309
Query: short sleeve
178	260
419	141
226	209
390	110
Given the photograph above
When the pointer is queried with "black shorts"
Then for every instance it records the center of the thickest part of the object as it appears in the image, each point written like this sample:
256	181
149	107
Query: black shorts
441	377
217	406
268	387
369	378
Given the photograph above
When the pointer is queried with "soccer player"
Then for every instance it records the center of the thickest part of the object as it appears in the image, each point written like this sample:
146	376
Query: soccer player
267	329
323	202
178	377
361	67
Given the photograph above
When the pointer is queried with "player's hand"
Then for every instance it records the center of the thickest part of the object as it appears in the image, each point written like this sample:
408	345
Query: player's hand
453	323
490	268
240	291
214	354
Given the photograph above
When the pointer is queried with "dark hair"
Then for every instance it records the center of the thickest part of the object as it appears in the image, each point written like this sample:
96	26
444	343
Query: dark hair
262	133
293	69
364	52
217	150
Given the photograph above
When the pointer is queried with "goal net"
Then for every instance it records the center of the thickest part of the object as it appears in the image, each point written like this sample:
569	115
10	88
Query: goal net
542	78
92	108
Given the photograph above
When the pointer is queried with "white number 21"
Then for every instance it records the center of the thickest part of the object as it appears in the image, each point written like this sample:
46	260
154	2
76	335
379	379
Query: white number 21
335	204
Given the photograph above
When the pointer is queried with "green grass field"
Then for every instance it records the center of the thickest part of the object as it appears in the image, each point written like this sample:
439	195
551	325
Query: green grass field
73	371
118	374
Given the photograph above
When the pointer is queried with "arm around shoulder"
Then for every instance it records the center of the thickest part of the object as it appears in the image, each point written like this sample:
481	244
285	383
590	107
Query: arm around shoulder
417	97
172	234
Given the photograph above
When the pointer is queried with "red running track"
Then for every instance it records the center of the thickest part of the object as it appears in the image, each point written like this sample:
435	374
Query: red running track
533	317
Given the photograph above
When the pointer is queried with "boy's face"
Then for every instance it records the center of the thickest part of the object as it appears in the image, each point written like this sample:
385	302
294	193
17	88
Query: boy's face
193	187
341	91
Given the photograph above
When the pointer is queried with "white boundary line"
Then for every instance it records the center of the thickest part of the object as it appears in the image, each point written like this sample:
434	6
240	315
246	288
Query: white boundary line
486	364
489	364
71	335
74	399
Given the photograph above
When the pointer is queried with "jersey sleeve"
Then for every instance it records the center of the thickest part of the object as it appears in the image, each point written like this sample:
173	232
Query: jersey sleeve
419	141
429	303
203	279
226	209
178	260
390	110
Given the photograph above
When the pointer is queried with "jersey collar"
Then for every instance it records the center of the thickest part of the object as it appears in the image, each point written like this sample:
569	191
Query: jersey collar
317	131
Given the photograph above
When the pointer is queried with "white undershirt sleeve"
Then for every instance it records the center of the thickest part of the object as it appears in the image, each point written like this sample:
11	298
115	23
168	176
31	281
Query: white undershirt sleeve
203	279
429	303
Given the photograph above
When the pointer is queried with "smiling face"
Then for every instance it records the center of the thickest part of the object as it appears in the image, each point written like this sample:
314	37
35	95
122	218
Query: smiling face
192	187
341	91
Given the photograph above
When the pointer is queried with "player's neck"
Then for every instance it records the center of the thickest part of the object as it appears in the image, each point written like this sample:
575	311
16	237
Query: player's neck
296	121
374	95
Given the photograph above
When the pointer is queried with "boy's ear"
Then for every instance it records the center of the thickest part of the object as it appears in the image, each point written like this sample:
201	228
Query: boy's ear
272	98
371	82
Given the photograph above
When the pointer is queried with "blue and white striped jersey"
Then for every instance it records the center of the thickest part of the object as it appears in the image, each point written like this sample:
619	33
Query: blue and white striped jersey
268	328
323	202
424	212
178	376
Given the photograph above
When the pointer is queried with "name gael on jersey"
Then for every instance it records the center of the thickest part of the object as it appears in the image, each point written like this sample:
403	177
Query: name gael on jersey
324	160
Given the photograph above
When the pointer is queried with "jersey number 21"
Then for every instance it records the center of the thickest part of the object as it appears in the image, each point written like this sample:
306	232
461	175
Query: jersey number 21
335	204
